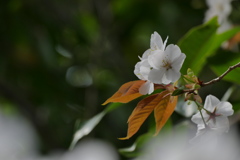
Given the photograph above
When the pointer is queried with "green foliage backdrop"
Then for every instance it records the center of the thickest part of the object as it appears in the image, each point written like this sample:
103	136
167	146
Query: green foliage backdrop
60	60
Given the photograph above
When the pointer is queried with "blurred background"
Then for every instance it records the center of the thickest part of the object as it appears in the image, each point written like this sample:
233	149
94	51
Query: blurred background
60	60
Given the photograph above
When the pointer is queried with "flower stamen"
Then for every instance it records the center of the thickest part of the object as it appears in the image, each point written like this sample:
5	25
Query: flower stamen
166	64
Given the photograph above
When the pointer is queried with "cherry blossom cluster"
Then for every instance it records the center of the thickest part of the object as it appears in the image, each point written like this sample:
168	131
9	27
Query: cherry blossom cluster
160	64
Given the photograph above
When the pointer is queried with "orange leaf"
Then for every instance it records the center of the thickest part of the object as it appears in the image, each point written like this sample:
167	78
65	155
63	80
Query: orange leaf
234	41
142	111
164	110
126	93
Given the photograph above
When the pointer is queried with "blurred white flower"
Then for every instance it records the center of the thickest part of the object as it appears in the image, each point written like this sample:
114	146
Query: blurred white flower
224	26
222	9
215	114
92	150
88	149
186	108
166	65
204	135
176	147
18	138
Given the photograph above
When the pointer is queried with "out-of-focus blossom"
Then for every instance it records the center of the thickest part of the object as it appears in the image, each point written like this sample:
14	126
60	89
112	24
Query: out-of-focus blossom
215	114
18	138
92	150
176	147
204	135
221	9
186	108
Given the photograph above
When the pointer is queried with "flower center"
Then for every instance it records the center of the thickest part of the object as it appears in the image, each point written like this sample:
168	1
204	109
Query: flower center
166	64
213	116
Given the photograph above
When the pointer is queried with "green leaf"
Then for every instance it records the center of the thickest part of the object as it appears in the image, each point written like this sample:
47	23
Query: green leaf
177	92
233	76
236	107
222	61
89	125
201	42
196	43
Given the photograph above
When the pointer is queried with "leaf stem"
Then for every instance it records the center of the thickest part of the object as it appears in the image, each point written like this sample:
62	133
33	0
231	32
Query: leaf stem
221	77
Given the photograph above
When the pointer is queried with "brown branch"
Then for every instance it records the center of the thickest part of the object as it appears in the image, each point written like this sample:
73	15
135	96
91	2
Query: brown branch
221	77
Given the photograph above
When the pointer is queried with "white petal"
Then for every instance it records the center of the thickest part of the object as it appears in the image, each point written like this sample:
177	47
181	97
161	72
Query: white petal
211	103
164	44
156	76
196	118
142	69
172	75
137	70
178	62
145	69
165	80
146	88
221	124
225	109
156	59
146	54
156	41
172	52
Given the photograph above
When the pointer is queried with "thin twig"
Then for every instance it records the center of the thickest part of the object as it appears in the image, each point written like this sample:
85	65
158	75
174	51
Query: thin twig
221	77
200	110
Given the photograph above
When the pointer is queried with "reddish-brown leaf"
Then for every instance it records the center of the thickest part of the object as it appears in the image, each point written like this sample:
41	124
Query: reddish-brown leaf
164	110
234	41
127	92
142	111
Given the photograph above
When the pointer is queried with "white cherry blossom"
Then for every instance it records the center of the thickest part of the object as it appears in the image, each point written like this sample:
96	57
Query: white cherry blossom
166	65
159	65
143	67
215	115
